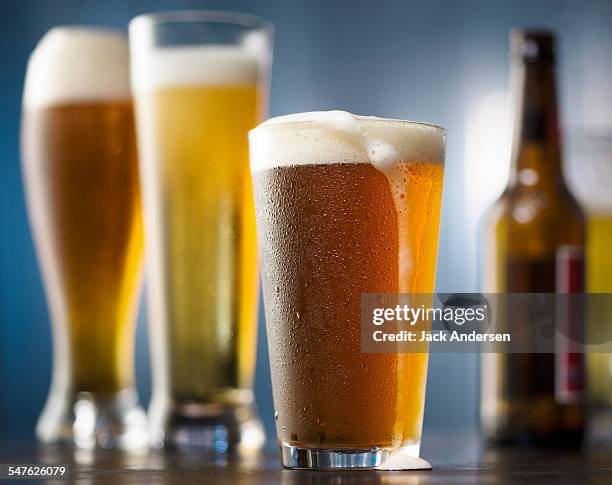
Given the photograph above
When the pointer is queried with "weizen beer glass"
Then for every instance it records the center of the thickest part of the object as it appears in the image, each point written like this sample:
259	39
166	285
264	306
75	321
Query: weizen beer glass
345	205
81	178
200	81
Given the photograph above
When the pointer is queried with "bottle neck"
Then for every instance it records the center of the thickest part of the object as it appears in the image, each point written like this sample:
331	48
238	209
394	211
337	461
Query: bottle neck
536	155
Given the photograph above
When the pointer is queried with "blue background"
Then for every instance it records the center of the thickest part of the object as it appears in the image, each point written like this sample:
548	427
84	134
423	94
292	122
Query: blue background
434	60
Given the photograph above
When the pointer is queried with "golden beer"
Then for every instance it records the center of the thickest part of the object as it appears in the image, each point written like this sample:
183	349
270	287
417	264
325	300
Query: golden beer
195	106
599	364
205	249
81	175
345	206
599	263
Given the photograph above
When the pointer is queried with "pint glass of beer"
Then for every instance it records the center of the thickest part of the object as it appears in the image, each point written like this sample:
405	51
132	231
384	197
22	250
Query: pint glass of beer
345	205
81	179
199	80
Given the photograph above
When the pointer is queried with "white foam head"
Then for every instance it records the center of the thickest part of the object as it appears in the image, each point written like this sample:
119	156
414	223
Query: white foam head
77	64
333	137
194	66
153	66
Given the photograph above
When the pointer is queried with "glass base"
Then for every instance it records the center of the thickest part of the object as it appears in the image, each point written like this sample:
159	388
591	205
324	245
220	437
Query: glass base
207	427
404	458
91	420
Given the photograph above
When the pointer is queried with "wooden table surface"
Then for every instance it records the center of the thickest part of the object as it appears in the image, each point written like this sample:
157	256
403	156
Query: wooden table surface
457	458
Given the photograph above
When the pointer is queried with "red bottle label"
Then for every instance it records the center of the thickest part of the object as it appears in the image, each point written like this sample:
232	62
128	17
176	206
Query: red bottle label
570	318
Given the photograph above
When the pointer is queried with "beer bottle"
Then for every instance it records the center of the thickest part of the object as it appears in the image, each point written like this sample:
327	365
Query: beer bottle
532	235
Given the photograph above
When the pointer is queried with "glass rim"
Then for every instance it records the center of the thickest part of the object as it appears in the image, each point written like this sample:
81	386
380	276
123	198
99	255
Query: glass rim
187	16
314	123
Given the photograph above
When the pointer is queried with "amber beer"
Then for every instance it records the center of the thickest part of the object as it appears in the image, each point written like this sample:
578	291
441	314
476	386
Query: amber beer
81	177
346	205
534	242
195	105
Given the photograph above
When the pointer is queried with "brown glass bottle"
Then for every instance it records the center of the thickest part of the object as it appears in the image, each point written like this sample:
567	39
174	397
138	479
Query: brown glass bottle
534	227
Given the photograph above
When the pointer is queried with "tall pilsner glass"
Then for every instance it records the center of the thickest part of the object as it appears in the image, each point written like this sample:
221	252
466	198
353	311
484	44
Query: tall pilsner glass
81	178
199	80
346	205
